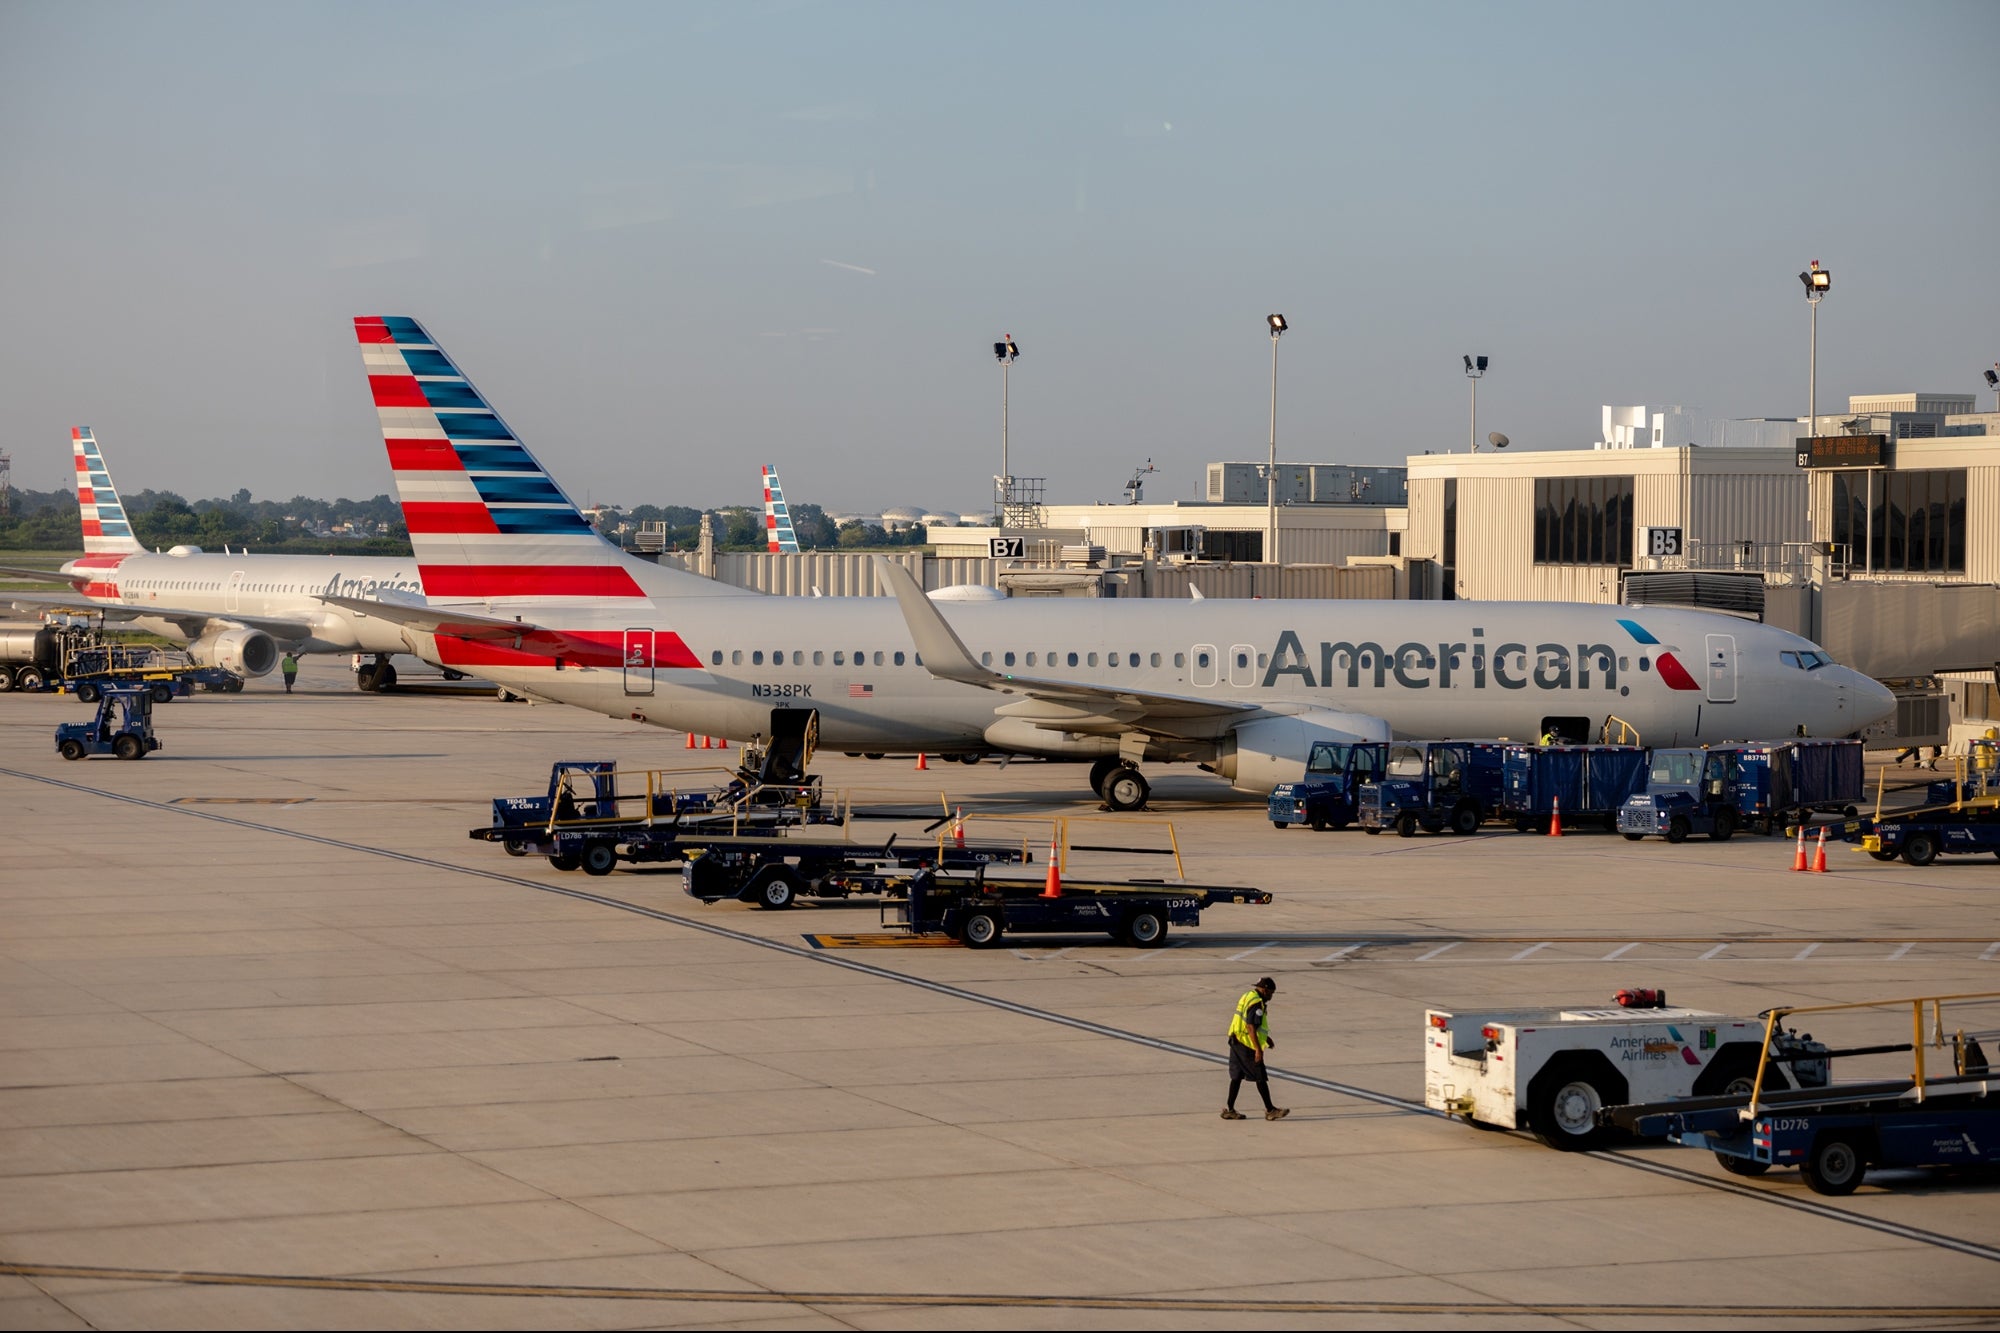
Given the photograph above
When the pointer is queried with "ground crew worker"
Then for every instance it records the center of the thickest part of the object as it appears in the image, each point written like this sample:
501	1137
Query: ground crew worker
290	667
1549	736
1249	1038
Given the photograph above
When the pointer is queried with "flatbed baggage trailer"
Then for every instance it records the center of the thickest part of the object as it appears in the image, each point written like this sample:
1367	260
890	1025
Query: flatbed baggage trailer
775	872
1552	1070
981	909
584	809
1960	815
1835	1133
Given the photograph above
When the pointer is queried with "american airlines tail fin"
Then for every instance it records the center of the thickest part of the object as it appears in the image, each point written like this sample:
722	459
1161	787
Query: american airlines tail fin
486	520
106	530
777	518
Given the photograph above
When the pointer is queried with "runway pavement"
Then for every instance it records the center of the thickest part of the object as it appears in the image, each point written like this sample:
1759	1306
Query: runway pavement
282	1046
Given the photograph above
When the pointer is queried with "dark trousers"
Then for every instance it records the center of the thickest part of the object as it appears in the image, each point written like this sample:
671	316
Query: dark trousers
1244	1064
290	676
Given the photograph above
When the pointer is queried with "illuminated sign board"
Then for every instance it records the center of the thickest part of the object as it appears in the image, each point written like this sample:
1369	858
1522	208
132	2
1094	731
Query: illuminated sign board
1843	451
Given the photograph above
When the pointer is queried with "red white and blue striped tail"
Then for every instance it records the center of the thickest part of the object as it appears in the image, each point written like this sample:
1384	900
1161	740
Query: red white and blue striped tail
106	529
777	518
486	520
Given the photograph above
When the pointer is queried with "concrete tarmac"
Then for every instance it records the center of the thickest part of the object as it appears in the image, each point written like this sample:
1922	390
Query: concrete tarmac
282	1047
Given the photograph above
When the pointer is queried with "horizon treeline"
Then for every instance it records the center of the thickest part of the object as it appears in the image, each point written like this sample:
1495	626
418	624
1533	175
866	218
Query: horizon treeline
52	521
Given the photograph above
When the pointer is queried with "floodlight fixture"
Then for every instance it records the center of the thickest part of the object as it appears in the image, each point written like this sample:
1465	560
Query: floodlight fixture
1277	323
1006	350
1818	281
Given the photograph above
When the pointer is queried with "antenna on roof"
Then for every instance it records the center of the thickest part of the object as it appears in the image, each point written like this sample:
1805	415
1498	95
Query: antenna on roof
1136	486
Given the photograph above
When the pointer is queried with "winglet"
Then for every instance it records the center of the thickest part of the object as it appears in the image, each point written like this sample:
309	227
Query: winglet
943	652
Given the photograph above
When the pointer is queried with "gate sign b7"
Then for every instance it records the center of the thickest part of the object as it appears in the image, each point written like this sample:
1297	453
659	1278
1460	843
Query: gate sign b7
1008	548
1663	541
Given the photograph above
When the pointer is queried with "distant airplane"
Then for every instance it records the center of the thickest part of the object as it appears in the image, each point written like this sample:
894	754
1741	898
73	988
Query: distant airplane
777	518
235	610
1242	688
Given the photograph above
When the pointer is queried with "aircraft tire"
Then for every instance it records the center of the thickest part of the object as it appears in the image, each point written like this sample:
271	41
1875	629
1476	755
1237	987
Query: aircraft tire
1127	789
1099	771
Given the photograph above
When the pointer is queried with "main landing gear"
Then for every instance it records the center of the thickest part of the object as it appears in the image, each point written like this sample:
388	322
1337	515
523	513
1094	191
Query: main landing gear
377	677
1121	786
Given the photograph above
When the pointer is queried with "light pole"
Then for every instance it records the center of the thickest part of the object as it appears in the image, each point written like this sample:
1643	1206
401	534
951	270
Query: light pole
1004	351
1278	327
1475	366
1818	282
1993	383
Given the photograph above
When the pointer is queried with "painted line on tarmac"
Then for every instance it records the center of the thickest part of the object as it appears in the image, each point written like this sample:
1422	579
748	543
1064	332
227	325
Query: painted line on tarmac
946	1300
1619	1158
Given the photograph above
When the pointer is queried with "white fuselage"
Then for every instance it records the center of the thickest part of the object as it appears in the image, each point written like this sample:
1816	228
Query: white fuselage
279	587
1429	669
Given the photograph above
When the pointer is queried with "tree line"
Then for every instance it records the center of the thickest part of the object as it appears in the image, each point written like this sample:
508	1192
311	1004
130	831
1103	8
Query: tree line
52	521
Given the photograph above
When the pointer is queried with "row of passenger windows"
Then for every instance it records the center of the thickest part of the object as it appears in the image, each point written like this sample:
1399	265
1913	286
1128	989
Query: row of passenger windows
818	657
203	585
797	657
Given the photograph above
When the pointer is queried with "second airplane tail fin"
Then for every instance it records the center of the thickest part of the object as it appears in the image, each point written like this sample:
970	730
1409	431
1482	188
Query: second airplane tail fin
106	529
777	518
486	520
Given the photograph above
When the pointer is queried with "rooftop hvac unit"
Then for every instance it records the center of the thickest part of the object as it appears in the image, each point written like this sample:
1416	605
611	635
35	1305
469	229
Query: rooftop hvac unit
1083	554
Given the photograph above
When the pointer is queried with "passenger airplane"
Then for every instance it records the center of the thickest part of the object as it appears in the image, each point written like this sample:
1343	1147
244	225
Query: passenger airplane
1241	688
236	610
778	518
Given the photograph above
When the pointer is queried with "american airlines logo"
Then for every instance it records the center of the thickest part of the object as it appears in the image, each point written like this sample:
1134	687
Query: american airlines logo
1472	664
347	587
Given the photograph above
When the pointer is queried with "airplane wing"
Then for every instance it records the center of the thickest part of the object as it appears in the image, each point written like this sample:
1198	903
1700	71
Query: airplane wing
453	623
39	575
191	623
1070	705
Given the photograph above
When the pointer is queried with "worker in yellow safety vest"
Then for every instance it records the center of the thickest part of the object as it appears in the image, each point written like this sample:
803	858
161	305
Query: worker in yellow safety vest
1249	1038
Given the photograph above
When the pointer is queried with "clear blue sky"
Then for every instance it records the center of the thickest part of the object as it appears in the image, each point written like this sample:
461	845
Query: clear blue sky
674	241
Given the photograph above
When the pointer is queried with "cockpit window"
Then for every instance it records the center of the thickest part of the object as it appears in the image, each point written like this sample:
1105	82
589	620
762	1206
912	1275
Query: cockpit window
1805	661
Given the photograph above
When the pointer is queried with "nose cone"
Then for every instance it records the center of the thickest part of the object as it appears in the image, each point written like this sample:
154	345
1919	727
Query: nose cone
1872	700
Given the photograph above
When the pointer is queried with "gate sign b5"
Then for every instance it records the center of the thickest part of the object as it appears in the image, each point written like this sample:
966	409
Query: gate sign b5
1663	541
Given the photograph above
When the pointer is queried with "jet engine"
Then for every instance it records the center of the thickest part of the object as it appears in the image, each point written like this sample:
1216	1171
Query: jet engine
1259	755
246	652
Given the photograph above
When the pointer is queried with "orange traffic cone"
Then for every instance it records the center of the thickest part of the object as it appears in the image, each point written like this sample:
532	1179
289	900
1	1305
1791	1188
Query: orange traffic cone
1053	888
1819	857
922	763
958	827
1799	857
1556	819
690	744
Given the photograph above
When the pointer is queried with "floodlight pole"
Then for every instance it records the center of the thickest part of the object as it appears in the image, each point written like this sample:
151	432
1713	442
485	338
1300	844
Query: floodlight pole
1473	370
1818	282
1004	352
1278	326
